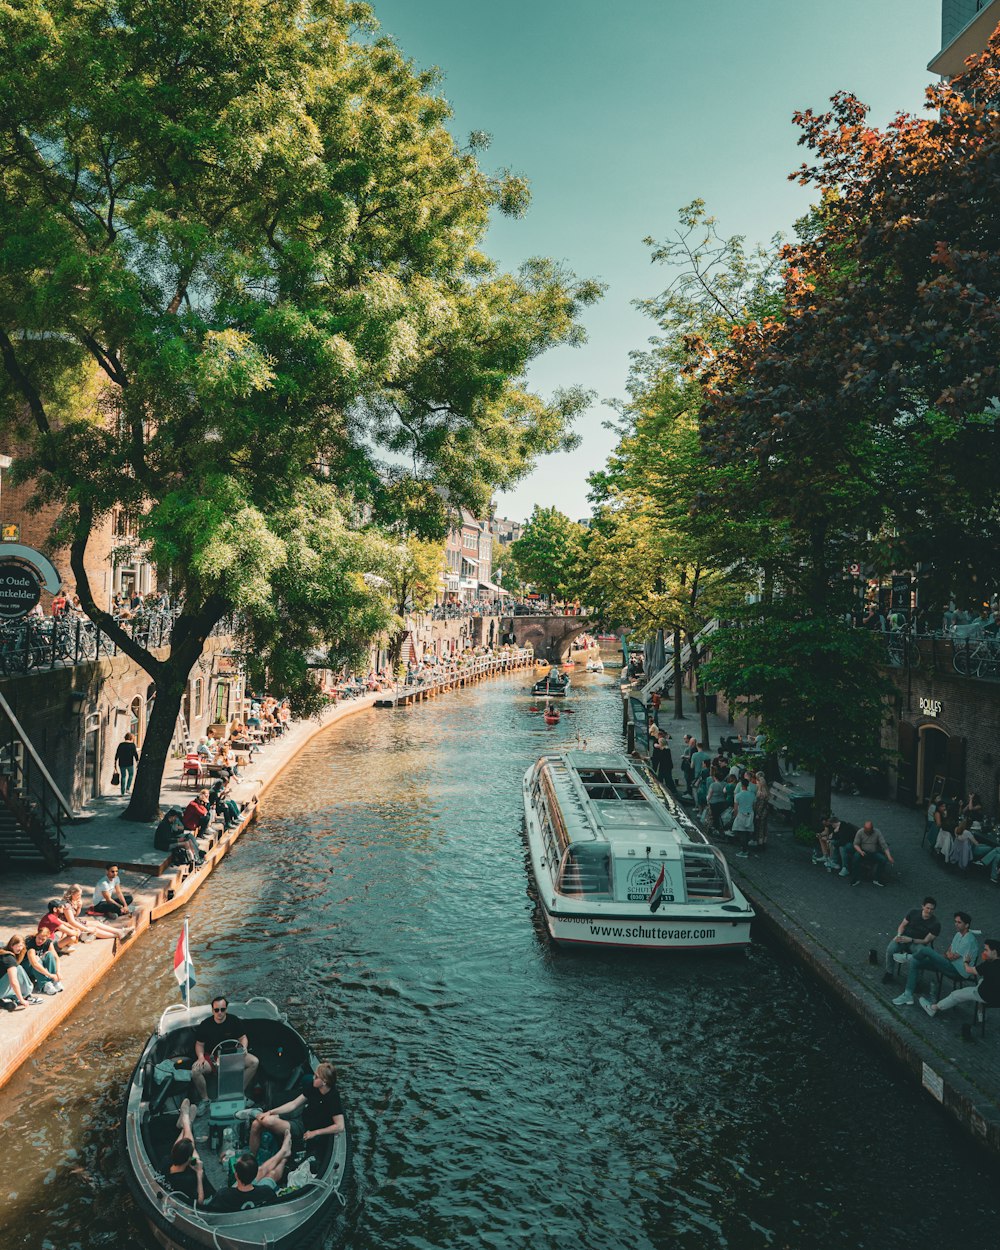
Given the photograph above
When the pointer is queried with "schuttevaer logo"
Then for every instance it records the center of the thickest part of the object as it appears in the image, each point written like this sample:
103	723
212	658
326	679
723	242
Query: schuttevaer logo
641	880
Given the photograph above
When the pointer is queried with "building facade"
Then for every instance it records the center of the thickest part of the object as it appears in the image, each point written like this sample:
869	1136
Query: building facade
966	26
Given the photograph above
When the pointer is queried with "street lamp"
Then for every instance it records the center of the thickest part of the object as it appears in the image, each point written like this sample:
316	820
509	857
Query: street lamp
5	463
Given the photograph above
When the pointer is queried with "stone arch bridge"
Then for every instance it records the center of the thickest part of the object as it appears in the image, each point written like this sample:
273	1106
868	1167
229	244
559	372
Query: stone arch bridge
550	636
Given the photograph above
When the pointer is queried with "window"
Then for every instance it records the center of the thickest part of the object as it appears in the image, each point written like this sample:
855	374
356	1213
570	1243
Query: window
197	698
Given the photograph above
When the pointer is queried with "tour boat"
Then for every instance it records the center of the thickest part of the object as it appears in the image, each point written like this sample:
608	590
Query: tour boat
617	862
301	1216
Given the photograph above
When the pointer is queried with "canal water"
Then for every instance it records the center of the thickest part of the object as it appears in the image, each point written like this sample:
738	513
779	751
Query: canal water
501	1093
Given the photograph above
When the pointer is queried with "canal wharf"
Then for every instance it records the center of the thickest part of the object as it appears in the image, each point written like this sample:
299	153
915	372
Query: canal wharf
159	888
831	928
455	677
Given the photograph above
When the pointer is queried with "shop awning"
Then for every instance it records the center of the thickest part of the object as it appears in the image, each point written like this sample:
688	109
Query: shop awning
497	590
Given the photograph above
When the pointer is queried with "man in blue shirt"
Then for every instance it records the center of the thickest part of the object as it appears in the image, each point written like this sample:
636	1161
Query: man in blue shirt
960	956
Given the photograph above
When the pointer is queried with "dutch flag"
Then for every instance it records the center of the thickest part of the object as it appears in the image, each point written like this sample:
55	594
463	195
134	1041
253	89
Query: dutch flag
656	894
183	967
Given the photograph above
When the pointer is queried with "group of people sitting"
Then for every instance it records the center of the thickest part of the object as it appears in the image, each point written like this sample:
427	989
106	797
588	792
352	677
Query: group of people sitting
845	849
973	967
313	1114
31	968
958	834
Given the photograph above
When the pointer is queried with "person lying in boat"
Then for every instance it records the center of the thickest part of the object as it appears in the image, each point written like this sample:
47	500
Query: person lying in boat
184	1174
256	1184
315	1113
219	1027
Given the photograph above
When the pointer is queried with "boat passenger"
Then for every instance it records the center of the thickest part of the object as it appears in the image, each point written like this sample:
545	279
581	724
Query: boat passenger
219	1027
256	1184
316	1113
109	898
184	1175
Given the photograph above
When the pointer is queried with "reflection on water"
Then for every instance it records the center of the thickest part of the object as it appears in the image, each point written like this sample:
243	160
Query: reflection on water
502	1093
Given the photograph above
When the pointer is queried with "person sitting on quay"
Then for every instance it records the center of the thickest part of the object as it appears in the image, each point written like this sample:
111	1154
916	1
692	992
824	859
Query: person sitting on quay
316	1113
987	983
18	992
205	748
197	816
256	1183
64	936
955	962
836	837
109	897
41	962
869	844
184	1174
223	804
219	1027
71	911
224	761
918	928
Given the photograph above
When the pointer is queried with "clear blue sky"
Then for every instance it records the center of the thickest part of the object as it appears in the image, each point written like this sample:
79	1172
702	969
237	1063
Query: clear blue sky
620	113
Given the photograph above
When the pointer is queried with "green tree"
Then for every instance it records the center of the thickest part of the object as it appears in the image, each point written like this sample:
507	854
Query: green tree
241	253
413	579
548	553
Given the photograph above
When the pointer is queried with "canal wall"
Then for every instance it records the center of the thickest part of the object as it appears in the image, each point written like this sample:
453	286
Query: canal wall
159	889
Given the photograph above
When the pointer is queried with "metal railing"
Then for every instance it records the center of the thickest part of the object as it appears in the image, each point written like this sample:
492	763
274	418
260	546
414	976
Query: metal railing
36	644
976	657
28	793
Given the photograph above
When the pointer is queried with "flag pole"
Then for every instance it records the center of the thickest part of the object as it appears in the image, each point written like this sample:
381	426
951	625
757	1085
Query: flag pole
187	974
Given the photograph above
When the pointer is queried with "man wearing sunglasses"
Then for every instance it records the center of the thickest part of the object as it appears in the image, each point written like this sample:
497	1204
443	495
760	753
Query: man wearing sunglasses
220	1026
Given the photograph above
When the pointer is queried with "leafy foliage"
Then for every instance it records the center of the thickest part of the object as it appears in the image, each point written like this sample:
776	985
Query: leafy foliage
548	553
240	252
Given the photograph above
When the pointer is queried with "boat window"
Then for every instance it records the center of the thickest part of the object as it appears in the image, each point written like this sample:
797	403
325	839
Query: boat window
610	784
705	874
586	870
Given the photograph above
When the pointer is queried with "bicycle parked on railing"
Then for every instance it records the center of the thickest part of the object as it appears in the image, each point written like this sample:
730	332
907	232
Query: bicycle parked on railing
978	657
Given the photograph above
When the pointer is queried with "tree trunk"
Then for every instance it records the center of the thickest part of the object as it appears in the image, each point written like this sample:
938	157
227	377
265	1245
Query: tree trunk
678	676
188	638
822	791
144	804
699	693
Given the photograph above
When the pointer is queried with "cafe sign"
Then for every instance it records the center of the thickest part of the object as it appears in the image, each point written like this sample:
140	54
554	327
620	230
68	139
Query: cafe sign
930	707
24	573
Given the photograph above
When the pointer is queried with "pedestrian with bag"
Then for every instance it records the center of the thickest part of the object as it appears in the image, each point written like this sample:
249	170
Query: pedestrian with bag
125	761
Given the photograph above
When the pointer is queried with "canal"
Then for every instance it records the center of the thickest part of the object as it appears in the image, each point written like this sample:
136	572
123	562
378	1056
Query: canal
501	1093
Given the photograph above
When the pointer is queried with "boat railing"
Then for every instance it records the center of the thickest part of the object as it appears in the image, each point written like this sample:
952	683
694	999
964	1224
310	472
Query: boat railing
169	1017
706	873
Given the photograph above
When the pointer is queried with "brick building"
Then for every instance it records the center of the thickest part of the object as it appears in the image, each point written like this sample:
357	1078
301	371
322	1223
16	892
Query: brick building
114	561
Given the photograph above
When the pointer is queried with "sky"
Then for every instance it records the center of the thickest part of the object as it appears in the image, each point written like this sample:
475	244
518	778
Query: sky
618	114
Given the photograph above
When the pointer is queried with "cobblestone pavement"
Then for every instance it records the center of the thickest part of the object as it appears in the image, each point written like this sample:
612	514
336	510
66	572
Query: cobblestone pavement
839	924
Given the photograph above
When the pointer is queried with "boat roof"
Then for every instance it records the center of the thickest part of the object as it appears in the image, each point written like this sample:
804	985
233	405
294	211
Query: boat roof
609	797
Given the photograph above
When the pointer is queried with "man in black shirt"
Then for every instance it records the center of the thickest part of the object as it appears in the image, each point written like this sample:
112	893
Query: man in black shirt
184	1174
316	1113
919	927
220	1026
255	1186
986	989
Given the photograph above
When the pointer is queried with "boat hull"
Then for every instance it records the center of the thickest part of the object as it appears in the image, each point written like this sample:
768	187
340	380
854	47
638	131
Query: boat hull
647	932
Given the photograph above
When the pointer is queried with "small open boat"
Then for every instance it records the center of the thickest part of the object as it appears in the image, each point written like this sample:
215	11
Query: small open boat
595	666
551	717
301	1216
551	685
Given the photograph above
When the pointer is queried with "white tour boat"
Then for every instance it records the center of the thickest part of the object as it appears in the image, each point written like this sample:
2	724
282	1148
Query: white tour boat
618	863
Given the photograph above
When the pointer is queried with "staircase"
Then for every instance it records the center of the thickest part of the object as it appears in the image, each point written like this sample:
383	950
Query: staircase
32	808
664	674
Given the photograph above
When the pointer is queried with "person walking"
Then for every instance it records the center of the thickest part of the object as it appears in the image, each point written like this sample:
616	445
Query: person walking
125	761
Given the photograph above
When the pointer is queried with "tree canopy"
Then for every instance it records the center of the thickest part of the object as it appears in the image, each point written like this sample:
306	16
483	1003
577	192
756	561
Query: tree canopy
240	251
548	553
